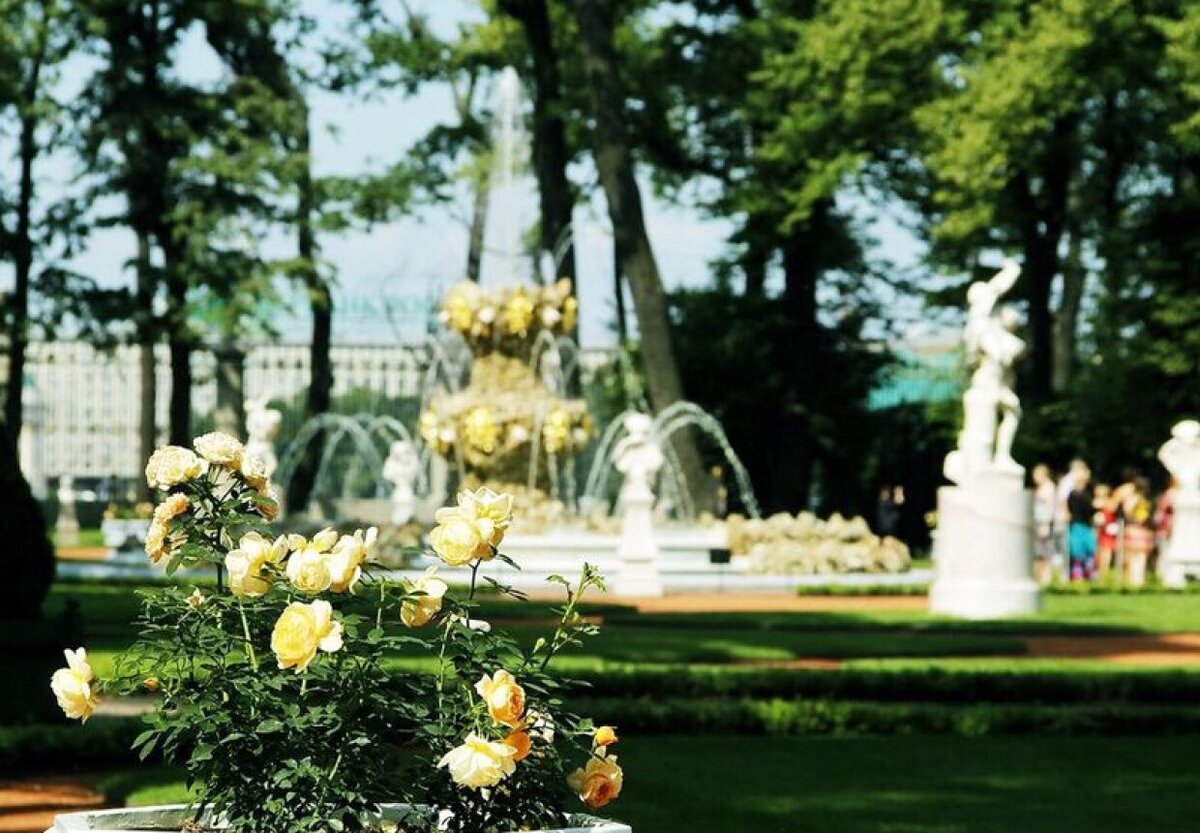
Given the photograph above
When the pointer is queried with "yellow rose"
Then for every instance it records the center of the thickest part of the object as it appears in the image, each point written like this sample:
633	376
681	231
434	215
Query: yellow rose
308	571
245	564
479	762
505	699
347	557
219	448
301	631
254	472
196	600
455	539
598	783
72	686
324	540
491	512
417	612
156	540
519	740
171	508
605	736
172	465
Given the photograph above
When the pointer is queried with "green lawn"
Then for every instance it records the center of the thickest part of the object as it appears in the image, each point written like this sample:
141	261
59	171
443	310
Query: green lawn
880	785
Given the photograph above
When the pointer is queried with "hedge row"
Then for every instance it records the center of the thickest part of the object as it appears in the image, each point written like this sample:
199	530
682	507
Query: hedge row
64	747
929	685
106	742
824	717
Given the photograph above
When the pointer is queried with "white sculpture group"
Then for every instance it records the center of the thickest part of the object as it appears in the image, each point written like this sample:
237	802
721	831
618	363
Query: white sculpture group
983	551
991	409
1180	455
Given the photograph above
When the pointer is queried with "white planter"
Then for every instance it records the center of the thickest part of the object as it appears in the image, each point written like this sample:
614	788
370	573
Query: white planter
124	533
170	818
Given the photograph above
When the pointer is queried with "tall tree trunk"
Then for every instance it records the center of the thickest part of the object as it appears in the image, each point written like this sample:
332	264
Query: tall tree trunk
18	336
179	346
231	389
614	163
1066	320
551	154
479	213
147	364
619	294
803	262
320	299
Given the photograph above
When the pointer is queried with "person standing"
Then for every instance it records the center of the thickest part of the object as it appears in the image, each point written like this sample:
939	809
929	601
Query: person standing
1081	537
1138	539
1045	511
1063	516
1108	528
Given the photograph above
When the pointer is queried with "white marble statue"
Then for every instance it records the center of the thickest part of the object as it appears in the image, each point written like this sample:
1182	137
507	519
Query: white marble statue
1180	455
638	457
991	409
262	427
402	468
1179	557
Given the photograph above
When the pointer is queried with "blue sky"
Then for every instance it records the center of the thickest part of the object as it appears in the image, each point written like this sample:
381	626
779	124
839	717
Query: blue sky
411	259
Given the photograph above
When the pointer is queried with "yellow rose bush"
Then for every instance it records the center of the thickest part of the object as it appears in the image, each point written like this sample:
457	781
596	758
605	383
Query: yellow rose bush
275	689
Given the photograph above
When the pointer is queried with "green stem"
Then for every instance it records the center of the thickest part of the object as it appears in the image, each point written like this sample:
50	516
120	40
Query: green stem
474	573
246	632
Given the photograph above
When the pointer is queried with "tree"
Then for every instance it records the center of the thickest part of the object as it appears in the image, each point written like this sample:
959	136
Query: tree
35	39
615	166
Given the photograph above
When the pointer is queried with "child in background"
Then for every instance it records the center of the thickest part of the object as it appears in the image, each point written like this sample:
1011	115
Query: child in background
1137	512
1045	510
1108	528
1081	537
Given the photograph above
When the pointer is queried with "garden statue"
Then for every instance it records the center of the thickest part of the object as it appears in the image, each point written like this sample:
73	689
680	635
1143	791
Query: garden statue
402	468
262	426
1180	455
638	457
983	552
66	528
992	346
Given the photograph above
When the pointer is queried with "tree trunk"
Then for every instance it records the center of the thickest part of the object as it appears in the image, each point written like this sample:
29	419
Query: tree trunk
179	346
1066	321
614	163
479	212
231	390
320	387
147	365
803	262
18	336
550	151
619	295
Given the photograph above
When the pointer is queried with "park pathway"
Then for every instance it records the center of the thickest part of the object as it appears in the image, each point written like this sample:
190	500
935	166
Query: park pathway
29	805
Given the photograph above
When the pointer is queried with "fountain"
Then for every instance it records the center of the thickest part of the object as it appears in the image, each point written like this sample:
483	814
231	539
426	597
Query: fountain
496	409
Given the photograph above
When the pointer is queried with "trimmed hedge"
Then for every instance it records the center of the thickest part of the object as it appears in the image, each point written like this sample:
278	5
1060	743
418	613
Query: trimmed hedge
825	717
101	742
931	685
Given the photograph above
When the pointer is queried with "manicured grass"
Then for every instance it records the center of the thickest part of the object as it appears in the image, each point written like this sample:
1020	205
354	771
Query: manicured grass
88	538
884	785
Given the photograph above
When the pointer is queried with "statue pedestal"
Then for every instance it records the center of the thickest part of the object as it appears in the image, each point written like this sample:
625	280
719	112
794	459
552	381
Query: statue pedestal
983	555
1181	556
637	551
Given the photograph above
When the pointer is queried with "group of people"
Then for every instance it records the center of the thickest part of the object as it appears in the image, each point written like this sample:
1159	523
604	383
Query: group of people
1086	531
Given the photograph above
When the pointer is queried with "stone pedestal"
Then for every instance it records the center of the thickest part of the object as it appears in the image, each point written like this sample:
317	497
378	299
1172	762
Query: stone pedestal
637	552
983	558
67	527
1181	556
